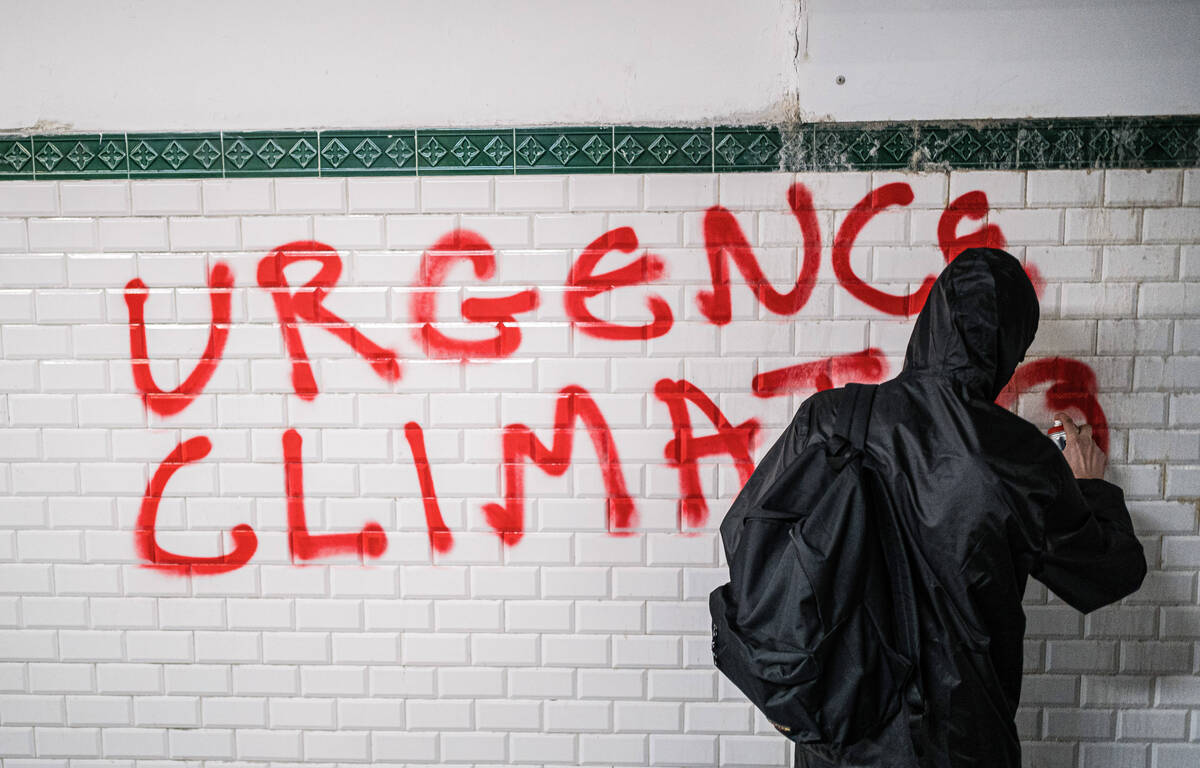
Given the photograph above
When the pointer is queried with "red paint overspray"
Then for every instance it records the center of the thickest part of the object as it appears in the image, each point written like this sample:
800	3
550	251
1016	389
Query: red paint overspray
868	367
440	538
520	443
583	283
973	206
464	245
145	542
220	283
684	449
1072	388
723	237
1035	277
305	305
369	542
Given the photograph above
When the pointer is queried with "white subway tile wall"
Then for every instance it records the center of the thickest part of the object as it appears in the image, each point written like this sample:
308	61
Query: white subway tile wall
424	508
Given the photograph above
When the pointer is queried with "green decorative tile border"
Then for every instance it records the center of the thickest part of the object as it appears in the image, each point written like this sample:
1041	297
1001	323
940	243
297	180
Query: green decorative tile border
463	152
187	155
572	150
651	150
1124	142
269	154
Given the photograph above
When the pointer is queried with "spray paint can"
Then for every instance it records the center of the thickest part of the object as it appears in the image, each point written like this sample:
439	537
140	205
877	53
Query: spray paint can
1058	433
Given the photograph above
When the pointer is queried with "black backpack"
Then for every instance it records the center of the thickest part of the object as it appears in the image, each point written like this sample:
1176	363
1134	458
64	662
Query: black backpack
817	624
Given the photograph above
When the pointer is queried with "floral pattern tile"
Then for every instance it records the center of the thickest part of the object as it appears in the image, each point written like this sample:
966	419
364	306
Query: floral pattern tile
1120	142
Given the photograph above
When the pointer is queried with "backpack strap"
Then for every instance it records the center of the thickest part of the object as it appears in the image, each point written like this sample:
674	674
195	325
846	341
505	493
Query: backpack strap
853	418
861	415
904	614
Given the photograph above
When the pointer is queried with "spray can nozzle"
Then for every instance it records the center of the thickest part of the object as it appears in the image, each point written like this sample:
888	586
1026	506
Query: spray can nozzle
1058	433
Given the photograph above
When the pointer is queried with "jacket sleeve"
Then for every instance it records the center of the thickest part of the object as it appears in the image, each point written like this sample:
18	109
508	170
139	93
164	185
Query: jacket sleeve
1090	556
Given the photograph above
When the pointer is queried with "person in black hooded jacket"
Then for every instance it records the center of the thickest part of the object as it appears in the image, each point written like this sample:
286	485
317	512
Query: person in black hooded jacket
983	499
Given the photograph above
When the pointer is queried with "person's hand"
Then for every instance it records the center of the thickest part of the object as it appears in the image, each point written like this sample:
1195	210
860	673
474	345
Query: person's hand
1085	458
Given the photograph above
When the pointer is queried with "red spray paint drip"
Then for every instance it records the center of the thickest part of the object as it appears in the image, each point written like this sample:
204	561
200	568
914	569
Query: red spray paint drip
440	537
520	443
306	305
369	542
220	282
464	245
683	450
868	367
583	283
145	542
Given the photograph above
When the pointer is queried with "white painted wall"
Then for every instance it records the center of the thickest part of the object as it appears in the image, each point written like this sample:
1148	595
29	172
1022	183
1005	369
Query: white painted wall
225	64
228	64
948	59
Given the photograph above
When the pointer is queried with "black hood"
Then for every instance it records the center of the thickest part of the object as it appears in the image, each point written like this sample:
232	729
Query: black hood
980	317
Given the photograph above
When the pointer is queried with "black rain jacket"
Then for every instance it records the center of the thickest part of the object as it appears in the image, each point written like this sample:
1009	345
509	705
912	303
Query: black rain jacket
983	499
